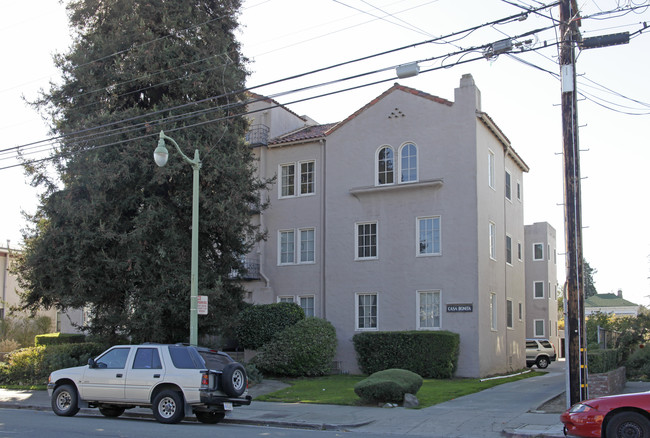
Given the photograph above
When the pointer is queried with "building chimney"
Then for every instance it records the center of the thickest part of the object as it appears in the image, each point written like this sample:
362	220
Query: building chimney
620	293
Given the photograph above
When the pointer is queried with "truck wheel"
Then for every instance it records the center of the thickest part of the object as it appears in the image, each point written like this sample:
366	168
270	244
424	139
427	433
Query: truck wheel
168	407
111	411
64	401
542	362
233	379
211	417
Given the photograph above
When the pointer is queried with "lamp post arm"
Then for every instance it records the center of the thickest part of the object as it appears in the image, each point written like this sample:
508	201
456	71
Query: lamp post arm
195	162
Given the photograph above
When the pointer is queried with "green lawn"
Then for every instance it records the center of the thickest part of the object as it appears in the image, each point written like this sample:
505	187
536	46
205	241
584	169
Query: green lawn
339	389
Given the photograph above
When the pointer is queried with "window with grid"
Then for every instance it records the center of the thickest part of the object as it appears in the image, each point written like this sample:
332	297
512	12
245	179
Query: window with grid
367	240
287	180
408	163
429	309
287	247
429	235
385	166
306	177
307	304
307	245
366	311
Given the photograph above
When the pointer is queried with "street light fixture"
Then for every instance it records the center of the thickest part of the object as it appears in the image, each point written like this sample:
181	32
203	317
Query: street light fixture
160	156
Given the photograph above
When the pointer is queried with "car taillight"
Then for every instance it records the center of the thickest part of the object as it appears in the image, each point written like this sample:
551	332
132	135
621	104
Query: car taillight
205	380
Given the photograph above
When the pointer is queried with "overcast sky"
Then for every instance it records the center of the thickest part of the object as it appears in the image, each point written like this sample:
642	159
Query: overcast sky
521	93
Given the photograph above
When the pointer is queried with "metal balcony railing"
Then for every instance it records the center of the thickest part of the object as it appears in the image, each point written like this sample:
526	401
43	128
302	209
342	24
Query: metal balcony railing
250	272
258	135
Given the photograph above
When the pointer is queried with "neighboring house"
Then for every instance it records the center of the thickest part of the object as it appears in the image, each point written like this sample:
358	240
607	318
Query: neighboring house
541	282
61	322
610	303
407	215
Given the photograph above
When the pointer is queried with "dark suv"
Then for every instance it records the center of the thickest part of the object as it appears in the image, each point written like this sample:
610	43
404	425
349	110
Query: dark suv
539	352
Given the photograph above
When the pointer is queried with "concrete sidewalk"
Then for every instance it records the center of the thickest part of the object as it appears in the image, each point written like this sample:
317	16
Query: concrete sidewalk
509	409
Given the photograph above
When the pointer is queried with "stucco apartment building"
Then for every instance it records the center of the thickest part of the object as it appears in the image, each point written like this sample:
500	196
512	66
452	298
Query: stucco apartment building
541	283
407	215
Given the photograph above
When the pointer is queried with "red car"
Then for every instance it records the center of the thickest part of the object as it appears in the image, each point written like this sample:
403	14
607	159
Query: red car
614	416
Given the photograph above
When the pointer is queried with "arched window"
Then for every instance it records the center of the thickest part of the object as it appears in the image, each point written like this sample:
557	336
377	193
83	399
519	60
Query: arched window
408	163
385	166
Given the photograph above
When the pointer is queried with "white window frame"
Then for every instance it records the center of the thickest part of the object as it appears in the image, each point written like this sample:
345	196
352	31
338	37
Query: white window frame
356	311
280	247
438	237
491	169
300	243
493	312
296	186
377	171
286	299
418	319
313	304
541	245
536	333
492	239
401	163
535	283
509	249
507	185
356	240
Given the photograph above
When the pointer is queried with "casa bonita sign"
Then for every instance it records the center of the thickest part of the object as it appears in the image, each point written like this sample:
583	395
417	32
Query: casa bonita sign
460	307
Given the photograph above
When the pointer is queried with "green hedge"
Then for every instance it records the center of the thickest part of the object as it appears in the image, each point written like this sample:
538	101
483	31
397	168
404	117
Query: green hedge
430	354
32	366
638	364
259	324
304	349
59	338
602	361
388	386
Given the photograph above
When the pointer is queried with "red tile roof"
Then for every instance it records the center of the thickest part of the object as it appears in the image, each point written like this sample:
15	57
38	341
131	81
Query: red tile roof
303	134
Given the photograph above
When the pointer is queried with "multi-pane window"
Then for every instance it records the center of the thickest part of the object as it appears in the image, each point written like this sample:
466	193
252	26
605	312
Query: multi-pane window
307	304
538	251
429	309
366	311
307	245
538	288
493	240
292	186
493	311
385	166
428	235
287	180
287	246
491	162
539	328
286	299
509	250
367	240
508	185
509	314
408	163
307	178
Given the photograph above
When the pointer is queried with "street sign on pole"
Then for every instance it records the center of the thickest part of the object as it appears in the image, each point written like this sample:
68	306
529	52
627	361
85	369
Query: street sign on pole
202	305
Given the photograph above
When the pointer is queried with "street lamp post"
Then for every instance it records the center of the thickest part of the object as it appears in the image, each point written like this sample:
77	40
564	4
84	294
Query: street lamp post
160	156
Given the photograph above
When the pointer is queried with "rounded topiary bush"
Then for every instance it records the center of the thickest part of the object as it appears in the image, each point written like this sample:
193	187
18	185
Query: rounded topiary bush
388	386
304	349
260	323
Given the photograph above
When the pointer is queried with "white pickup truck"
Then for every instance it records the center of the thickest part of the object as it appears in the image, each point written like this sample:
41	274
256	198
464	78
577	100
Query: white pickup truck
175	381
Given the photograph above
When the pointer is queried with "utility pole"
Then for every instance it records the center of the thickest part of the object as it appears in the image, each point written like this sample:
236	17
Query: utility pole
574	326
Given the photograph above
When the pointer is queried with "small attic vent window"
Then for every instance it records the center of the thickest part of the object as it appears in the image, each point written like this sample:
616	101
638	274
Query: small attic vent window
396	113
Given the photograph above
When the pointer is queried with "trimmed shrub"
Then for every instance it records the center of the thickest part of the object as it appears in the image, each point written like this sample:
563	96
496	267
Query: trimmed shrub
427	353
388	386
59	338
258	324
638	364
304	349
32	366
602	361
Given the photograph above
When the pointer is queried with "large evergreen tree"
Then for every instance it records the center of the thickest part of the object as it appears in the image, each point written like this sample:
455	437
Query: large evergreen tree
113	231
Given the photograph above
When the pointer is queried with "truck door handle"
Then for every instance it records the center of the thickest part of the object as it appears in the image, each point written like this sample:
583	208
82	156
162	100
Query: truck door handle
156	376
118	375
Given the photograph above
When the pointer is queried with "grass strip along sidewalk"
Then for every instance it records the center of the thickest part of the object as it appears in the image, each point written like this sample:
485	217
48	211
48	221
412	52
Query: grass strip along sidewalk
339	389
